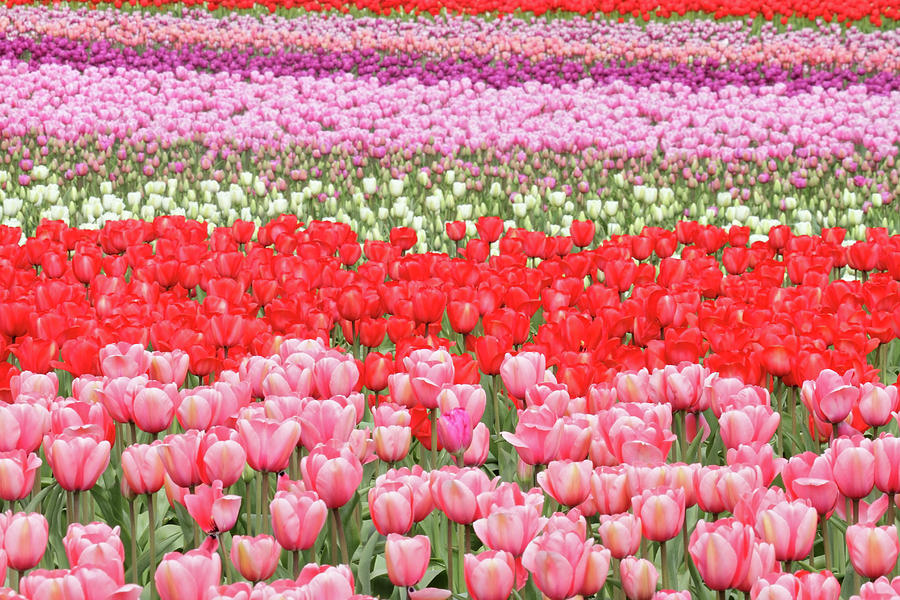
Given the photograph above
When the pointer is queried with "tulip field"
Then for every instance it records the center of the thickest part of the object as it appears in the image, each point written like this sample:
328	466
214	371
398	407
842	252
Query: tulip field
450	299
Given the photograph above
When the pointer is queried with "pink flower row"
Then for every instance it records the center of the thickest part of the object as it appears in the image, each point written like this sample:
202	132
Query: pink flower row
360	114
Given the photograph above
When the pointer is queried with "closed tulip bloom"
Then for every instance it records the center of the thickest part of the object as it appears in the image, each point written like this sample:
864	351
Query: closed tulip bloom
748	425
790	527
454	430
17	472
722	550
154	407
221	460
873	550
80	538
76	461
821	494
407	558
268	443
391	507
877	403
333	474
661	511
335	375
569	483
822	585
179	453
297	519
324	420
490	575
853	467
477	452
455	492
777	586
521	371
189	576
609	489
672	595
255	558
563	564
639	577
25	540
392	442
142	468
878	590
886	450
509	528
621	534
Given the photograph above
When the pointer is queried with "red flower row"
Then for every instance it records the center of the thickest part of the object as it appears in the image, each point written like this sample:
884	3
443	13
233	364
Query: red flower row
769	309
829	10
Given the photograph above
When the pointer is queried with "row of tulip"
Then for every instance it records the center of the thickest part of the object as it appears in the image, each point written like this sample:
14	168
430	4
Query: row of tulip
732	130
820	46
73	291
873	12
600	461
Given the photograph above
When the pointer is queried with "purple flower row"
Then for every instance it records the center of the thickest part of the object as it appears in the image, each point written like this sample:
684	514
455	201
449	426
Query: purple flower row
387	69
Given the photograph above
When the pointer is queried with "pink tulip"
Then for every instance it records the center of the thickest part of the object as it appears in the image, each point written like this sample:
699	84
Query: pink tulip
830	396
639	578
537	435
268	443
333	474
77	461
255	558
392	442
179	453
454	430
509	528
297	519
213	511
609	489
661	511
477	452
25	539
391	507
621	534
188	576
335	375
490	575
17	473
748	425
873	550
886	450
455	491
790	527
406	558
521	371
567	482
853	468
877	403
154	407
142	468
563	564
722	550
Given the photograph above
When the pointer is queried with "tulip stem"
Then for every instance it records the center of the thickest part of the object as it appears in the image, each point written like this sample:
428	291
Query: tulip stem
70	507
792	401
342	538
721	595
686	542
76	506
265	500
665	566
451	575
295	563
495	384
132	520
826	544
432	416
87	507
151	534
463	530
